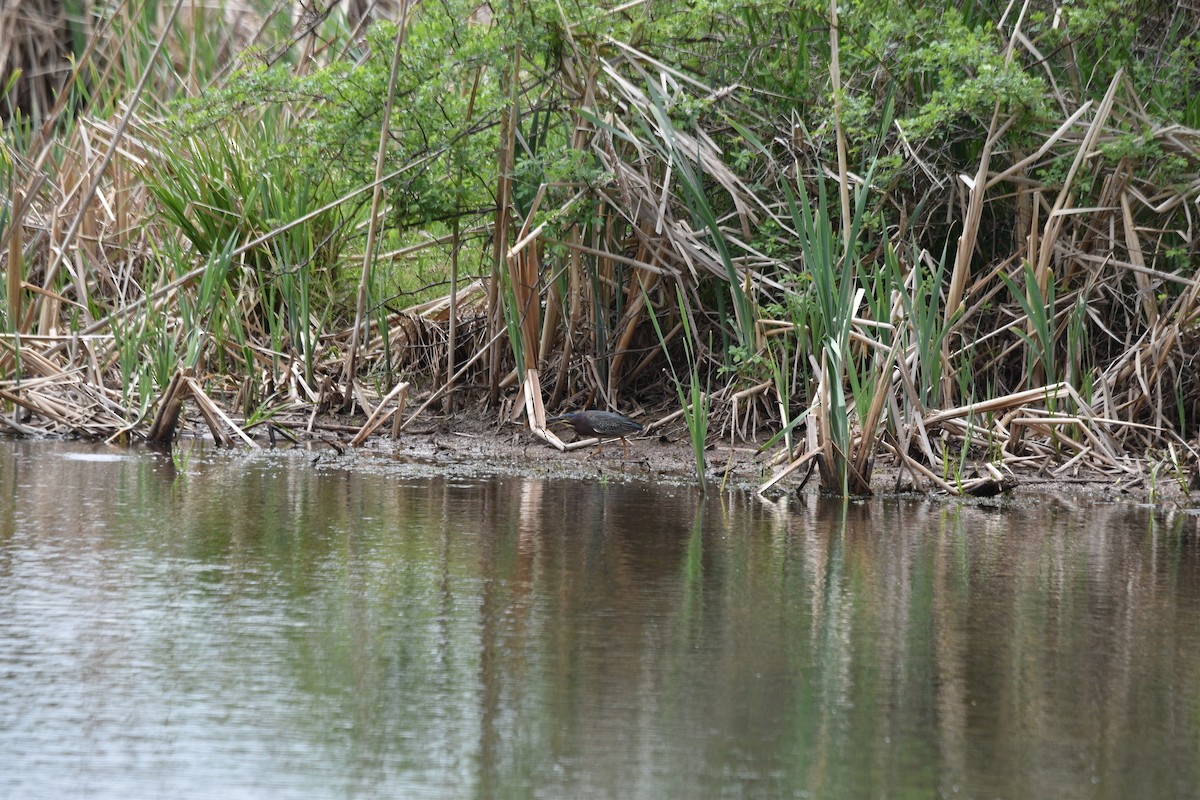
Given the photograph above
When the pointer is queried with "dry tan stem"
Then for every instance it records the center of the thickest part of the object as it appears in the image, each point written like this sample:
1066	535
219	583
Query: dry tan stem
750	392
452	333
510	80
917	468
1041	151
835	72
1054	222
380	415
821	419
220	438
360	311
674	415
98	173
788	470
862	455
574	314
1134	247
998	403
535	413
629	324
45	407
203	401
978	188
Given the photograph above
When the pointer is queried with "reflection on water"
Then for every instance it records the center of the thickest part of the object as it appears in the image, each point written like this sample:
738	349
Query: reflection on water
265	627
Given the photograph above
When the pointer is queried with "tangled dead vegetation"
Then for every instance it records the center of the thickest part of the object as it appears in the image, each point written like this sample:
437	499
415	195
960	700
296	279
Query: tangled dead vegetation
970	309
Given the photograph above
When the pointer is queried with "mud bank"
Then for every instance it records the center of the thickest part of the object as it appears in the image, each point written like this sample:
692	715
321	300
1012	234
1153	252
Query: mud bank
472	447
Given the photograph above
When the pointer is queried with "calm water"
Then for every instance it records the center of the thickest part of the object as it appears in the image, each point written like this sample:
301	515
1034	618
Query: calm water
263	626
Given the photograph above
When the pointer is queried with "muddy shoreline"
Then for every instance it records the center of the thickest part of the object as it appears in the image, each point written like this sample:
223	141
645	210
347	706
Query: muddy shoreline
473	446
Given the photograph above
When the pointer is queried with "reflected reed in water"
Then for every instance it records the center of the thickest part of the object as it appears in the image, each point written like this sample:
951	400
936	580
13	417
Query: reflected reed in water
262	626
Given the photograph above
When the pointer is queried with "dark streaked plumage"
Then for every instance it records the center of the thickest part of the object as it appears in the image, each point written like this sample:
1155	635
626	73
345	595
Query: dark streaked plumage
602	424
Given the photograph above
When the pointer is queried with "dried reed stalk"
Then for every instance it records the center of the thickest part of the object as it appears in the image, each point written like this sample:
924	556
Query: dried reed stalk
360	311
381	413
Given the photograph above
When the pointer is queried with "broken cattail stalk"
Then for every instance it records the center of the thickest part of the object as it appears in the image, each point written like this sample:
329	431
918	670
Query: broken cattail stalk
1008	401
203	401
162	429
379	415
398	417
789	469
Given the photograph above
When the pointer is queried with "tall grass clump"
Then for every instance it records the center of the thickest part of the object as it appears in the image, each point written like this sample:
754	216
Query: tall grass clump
922	322
1040	337
833	263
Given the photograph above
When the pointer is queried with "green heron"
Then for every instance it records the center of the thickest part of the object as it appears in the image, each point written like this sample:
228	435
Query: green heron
601	424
